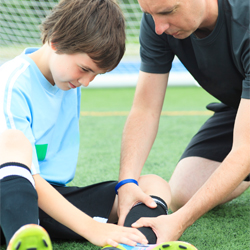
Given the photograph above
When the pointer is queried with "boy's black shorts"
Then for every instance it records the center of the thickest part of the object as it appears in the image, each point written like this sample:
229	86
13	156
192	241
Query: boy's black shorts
96	200
215	138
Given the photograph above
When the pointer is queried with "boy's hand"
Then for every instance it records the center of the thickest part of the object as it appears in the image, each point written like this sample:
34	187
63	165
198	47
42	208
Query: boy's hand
128	196
102	234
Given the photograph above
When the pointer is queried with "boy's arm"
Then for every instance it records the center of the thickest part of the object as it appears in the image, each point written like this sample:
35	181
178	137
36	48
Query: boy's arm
222	182
101	234
138	137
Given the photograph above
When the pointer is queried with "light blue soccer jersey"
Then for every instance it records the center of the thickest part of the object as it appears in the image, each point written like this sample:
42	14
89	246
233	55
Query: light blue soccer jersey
47	115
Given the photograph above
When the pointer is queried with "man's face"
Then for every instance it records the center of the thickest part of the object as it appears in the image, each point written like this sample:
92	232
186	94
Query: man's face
179	18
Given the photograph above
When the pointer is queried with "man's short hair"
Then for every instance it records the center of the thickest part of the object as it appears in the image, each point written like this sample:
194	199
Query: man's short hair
94	27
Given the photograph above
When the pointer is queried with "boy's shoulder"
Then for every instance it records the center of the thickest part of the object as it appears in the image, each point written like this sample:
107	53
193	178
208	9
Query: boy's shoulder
16	70
13	74
21	73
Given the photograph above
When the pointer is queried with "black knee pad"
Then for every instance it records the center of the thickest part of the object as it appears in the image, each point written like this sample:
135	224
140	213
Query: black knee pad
141	210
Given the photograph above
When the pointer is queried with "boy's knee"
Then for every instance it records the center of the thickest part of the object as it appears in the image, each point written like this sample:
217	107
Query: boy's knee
151	179
151	182
15	147
155	185
13	138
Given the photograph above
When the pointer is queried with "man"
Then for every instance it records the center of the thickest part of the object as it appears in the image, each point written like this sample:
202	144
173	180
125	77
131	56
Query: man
211	38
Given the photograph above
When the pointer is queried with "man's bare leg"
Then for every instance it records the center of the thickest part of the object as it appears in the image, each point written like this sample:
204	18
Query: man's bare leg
190	174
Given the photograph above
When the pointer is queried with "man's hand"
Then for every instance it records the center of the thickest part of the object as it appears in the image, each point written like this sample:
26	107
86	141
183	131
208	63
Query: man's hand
128	196
165	227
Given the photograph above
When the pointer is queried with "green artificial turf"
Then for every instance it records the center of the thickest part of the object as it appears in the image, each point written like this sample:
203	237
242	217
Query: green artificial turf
225	227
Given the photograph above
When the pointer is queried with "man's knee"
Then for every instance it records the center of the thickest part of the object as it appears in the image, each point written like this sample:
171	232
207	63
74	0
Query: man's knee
189	175
180	187
179	194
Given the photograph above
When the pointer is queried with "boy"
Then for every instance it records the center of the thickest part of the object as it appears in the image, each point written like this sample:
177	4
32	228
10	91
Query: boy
39	135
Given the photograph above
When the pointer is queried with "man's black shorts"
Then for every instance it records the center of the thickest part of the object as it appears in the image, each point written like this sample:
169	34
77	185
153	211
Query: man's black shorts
96	201
215	138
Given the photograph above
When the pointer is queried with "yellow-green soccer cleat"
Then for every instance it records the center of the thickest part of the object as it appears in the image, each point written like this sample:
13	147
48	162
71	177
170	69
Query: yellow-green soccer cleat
30	237
171	245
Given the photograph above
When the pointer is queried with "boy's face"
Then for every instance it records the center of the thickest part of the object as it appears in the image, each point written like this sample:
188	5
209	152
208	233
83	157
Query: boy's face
72	71
179	18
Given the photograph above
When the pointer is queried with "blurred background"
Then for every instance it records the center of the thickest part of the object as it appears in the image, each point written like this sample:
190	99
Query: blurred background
19	28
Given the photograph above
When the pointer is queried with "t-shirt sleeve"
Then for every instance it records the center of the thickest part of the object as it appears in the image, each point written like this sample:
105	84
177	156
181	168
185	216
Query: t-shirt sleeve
156	55
241	41
18	115
246	66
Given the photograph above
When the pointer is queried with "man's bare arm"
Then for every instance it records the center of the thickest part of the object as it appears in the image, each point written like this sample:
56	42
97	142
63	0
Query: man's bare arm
222	182
138	137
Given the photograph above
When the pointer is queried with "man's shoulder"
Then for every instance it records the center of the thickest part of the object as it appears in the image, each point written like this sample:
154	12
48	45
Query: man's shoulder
238	3
238	11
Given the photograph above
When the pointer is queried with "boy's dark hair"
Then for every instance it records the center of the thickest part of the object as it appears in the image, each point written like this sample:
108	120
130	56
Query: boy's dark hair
94	27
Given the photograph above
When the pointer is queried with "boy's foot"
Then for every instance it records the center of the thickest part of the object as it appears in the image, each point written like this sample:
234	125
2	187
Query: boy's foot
171	245
30	237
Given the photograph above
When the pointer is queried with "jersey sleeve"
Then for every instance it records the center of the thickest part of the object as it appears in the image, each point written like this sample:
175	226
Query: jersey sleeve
156	55
18	115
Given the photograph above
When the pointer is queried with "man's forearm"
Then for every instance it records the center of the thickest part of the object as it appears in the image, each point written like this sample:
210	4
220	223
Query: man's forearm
138	137
142	124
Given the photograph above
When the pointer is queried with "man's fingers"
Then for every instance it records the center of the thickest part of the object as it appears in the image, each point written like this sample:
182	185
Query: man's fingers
142	222
160	240
123	214
146	199
122	219
149	202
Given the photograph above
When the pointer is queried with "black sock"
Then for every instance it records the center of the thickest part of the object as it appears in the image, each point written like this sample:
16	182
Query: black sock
141	210
18	204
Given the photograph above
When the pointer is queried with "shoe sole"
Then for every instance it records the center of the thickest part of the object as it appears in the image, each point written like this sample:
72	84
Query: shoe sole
30	237
171	245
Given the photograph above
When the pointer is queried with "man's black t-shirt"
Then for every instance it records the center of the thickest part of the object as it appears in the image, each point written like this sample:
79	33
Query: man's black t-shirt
219	62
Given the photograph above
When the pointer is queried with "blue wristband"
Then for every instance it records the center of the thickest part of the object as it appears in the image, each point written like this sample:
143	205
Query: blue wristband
121	183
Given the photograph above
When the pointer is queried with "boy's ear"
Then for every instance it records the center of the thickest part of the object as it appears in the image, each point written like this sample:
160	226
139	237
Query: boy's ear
52	46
